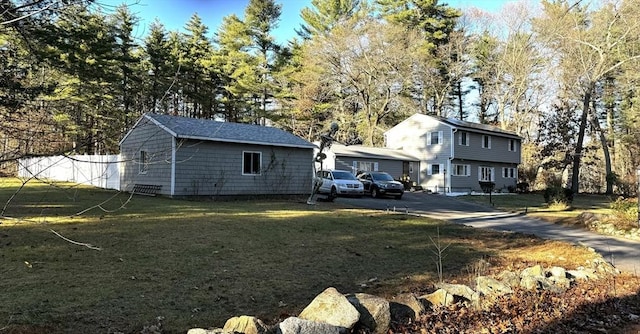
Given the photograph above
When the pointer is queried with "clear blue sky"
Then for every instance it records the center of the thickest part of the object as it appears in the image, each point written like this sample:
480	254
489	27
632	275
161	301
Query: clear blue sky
174	14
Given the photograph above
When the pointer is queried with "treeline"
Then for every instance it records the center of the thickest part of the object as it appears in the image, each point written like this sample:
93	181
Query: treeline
562	74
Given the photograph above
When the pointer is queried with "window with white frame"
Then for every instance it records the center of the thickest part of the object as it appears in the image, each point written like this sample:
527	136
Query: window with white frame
461	170
143	166
251	162
364	166
434	169
509	173
434	138
463	138
486	141
485	174
512	145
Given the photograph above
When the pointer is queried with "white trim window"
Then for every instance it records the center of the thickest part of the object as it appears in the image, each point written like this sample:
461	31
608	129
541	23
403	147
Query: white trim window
463	138
486	174
364	166
512	145
461	170
509	173
486	141
251	163
435	169
143	164
434	138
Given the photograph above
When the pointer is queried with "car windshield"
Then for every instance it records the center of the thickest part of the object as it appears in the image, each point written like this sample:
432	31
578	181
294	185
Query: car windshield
381	177
340	175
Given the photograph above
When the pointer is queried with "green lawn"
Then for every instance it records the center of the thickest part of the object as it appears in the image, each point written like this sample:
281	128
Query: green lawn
198	263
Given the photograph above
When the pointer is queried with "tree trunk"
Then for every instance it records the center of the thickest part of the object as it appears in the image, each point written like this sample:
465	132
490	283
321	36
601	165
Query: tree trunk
575	177
605	148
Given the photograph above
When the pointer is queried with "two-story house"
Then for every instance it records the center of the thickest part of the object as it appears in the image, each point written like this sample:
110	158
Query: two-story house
455	155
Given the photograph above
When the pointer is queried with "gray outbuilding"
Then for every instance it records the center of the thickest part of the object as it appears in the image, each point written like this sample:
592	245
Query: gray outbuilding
180	156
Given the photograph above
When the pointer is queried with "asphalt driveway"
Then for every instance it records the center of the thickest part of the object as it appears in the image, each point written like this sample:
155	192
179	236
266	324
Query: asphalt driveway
623	253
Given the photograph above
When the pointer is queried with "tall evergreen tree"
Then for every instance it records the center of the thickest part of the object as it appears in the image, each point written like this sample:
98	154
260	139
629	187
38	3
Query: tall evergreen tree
324	15
261	18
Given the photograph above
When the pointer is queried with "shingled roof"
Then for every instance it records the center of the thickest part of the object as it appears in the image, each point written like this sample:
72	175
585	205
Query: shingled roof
204	129
359	151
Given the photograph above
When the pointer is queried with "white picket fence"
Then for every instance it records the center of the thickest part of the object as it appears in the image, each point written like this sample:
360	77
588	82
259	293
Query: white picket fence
101	171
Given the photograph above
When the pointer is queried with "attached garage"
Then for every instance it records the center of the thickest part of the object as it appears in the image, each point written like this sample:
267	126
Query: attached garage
357	158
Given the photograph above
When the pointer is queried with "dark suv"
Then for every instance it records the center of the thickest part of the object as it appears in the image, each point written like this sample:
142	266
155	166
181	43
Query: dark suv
379	184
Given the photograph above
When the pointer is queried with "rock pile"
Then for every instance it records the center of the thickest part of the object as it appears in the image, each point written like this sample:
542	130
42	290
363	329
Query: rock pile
335	312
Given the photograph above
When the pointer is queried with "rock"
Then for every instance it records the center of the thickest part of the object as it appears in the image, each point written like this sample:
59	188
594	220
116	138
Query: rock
207	331
530	282
582	274
557	272
460	290
246	325
438	298
405	307
509	278
491	286
333	308
295	325
532	271
375	312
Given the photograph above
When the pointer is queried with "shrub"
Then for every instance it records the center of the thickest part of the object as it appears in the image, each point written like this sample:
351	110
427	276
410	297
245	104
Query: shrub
625	212
558	195
523	187
486	186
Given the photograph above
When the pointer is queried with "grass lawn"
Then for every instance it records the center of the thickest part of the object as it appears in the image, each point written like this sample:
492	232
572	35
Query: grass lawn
198	263
535	206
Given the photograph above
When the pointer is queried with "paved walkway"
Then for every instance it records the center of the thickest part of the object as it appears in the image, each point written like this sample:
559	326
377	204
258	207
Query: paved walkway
623	253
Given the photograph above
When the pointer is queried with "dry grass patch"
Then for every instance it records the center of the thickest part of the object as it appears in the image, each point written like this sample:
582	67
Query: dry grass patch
196	264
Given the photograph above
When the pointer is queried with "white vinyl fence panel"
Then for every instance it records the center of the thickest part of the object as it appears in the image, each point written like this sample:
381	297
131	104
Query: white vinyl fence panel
101	171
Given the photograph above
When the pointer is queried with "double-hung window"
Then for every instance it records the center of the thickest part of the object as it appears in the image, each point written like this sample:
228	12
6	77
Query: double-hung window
512	145
485	174
435	169
509	173
461	170
143	164
251	162
434	138
463	138
486	141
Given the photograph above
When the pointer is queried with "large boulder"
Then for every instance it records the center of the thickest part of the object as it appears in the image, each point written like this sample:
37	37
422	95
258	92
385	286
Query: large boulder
333	308
491	287
246	325
460	290
295	325
439	298
406	307
375	312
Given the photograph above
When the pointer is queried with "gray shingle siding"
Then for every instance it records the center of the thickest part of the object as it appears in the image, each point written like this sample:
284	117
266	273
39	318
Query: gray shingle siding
498	151
204	159
211	168
157	145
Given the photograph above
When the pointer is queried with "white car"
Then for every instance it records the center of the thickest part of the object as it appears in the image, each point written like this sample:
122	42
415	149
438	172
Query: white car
339	183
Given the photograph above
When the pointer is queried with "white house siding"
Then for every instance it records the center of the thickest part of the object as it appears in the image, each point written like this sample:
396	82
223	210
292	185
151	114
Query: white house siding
205	168
157	143
411	135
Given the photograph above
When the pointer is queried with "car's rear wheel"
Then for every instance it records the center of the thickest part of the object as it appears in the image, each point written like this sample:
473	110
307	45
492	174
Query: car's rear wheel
374	192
